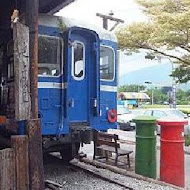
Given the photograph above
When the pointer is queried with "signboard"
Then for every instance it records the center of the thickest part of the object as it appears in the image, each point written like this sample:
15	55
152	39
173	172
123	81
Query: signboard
21	71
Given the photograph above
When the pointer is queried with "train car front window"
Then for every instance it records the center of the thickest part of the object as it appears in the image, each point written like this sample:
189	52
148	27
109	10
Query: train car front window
107	63
49	56
78	63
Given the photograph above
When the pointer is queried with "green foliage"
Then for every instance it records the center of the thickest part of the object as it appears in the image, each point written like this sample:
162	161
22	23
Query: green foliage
182	97
62	26
167	28
160	94
131	88
185	111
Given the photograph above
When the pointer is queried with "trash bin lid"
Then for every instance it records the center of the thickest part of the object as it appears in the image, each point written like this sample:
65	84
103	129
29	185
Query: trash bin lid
172	121
144	119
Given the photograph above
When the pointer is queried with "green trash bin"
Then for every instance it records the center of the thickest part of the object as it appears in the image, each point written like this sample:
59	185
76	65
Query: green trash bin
145	156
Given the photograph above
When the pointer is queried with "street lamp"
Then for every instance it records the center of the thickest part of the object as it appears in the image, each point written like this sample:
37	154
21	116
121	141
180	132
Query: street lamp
159	57
152	95
173	87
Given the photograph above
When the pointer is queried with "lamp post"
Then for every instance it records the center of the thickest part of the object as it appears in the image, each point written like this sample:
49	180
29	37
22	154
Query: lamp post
173	87
159	58
138	96
152	92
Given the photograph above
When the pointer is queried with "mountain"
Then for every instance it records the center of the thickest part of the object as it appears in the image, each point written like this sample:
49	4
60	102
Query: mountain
158	75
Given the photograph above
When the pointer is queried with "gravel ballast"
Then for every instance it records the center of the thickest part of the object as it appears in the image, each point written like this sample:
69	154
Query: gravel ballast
74	179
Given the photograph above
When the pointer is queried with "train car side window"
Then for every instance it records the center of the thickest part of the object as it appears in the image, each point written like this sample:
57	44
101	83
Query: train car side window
78	60
50	55
107	63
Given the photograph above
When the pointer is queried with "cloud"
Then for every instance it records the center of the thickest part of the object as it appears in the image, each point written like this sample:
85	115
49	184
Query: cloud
86	10
128	10
134	62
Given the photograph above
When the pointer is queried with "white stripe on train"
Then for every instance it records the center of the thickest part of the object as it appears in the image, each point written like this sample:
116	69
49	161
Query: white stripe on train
55	85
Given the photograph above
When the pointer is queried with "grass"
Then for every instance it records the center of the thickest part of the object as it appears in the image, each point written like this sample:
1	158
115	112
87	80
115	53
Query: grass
184	108
155	106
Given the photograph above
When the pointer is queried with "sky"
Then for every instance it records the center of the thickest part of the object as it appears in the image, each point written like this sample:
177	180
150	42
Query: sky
128	10
86	10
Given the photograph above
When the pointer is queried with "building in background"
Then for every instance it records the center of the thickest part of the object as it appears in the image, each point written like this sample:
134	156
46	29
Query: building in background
132	99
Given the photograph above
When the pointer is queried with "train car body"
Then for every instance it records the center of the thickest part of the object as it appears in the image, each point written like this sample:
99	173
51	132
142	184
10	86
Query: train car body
77	82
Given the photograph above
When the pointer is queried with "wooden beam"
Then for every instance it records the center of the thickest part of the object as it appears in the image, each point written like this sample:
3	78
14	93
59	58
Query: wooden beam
32	22
109	17
36	171
20	146
126	173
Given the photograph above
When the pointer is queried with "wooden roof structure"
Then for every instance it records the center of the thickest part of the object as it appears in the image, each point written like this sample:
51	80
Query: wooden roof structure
7	7
52	6
45	6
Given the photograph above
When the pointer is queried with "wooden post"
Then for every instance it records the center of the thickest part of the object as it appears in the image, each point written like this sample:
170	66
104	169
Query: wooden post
7	169
36	172
32	22
20	146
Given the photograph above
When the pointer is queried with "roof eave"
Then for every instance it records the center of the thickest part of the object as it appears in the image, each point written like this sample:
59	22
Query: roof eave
56	8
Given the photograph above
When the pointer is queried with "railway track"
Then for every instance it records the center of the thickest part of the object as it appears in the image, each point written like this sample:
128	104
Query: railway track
77	177
76	165
89	176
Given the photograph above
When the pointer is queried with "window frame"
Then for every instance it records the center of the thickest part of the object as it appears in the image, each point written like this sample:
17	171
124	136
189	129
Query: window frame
61	60
114	62
84	60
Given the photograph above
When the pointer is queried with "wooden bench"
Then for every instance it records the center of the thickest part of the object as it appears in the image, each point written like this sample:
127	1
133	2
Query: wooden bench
108	143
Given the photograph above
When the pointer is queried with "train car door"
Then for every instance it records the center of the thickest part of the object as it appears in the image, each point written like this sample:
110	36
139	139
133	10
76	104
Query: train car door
82	83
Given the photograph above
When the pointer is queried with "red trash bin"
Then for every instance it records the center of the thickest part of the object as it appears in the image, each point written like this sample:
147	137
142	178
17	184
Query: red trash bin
172	151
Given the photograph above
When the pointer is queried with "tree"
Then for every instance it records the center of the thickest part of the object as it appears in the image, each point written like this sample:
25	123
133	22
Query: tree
166	32
159	96
131	88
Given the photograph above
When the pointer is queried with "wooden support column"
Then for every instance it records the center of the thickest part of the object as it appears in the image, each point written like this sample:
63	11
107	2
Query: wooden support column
36	172
20	146
32	22
7	169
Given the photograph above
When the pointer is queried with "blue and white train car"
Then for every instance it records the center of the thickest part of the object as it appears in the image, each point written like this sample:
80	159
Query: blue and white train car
77	84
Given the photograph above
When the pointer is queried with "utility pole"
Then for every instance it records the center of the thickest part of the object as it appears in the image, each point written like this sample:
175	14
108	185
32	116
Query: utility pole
105	19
